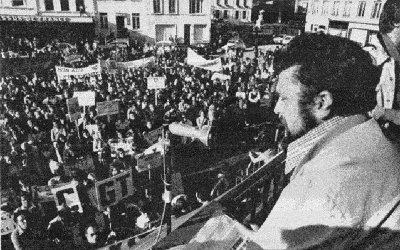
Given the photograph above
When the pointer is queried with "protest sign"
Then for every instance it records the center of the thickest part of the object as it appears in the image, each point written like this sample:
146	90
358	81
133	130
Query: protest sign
156	82
198	61
136	64
73	109
85	98
152	136
21	66
68	195
64	73
150	161
108	108
7	223
125	144
114	189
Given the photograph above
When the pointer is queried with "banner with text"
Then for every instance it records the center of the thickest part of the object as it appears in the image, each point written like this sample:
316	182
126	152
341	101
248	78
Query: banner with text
65	73
21	66
125	144
114	189
111	66
68	195
150	161
152	136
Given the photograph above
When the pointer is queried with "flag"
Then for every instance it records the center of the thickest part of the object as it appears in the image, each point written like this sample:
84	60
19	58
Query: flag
269	2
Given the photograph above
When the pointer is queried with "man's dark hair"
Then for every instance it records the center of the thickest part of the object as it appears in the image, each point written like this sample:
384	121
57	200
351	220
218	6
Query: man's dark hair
389	16
333	64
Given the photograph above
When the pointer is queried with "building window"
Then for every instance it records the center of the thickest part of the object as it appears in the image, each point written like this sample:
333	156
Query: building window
325	7
157	6
226	2
303	8
64	5
244	15
225	14
238	3
361	8
376	9
195	6
237	14
103	21
315	7
135	21
244	3
217	14
48	4
17	2
335	9
172	6
80	5
347	8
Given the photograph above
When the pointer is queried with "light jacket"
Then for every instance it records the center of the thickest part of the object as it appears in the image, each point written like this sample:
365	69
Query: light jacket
343	181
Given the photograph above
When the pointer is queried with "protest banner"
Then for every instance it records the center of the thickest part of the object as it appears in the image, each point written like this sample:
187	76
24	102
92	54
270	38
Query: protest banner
68	195
65	73
198	61
136	64
125	144
108	108
7	223
85	98
152	136
150	161
156	82
73	109
114	189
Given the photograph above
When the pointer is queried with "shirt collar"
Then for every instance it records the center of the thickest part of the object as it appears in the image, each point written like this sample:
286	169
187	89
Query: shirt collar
299	148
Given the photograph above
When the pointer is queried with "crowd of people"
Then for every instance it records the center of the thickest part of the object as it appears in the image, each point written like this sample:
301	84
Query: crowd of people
40	144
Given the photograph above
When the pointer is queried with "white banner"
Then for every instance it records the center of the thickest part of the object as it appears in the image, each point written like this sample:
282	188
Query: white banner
200	62
85	98
64	73
135	64
156	82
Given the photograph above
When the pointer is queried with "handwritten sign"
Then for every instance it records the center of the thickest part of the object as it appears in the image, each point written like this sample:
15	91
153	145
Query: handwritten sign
152	136
85	98
125	144
155	82
7	223
73	108
149	161
65	73
108	108
68	195
114	189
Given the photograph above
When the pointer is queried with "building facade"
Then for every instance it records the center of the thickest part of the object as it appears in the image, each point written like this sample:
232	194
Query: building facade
52	18
182	21
355	19
236	11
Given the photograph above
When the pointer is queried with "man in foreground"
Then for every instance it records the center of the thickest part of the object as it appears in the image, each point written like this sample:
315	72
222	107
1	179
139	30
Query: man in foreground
343	169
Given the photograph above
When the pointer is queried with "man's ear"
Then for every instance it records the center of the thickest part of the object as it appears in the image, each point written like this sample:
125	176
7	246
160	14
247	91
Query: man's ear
322	105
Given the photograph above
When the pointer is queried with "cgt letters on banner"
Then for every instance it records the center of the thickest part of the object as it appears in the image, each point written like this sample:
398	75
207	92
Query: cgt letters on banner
114	189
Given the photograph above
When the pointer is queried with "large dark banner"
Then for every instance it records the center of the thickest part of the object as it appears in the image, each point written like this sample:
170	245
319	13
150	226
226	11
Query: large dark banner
21	66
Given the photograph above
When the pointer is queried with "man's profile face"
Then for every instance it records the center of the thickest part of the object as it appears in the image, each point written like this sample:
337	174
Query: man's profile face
21	222
297	118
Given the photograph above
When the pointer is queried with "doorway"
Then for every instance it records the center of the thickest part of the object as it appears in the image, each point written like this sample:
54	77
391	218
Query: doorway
186	34
120	26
